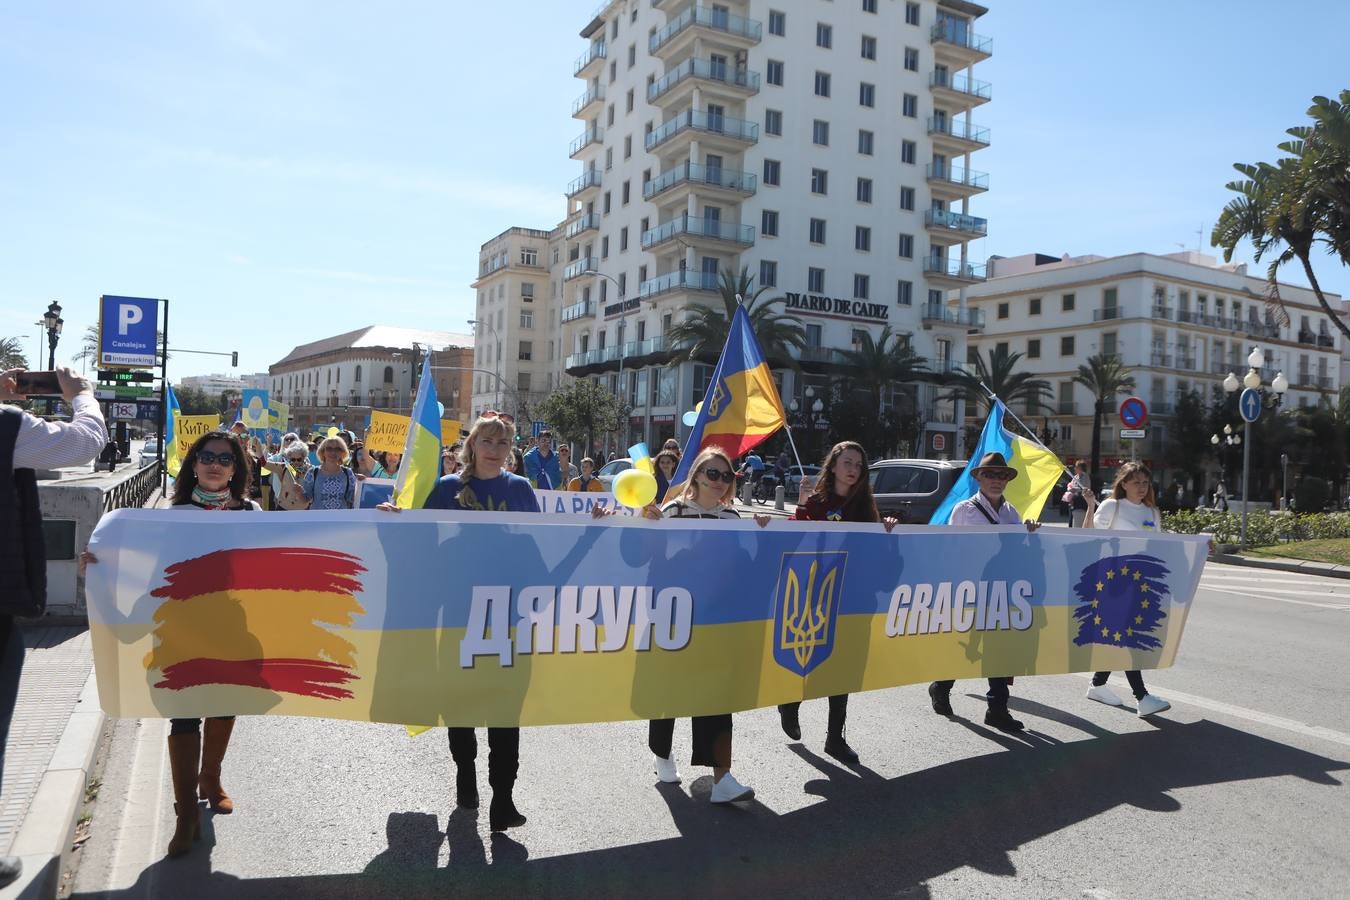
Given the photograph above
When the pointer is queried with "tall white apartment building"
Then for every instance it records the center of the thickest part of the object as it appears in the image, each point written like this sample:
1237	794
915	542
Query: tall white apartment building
823	147
1179	322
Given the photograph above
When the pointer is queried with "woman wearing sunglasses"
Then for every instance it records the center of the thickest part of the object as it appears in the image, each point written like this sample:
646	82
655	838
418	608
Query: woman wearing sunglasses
331	485
214	477
843	493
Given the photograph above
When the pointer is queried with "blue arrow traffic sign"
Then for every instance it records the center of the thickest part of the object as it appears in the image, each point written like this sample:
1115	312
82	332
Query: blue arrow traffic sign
1249	404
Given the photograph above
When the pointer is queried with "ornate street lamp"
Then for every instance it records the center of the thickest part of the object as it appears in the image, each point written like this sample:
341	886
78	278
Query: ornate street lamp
1256	360
52	322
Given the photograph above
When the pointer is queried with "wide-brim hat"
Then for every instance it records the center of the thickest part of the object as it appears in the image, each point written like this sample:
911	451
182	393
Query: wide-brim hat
994	462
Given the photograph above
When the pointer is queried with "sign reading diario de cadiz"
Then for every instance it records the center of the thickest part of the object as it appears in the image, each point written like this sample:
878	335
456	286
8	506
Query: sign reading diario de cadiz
837	306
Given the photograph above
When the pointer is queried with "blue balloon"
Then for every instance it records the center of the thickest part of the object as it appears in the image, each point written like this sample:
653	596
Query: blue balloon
440	410
690	418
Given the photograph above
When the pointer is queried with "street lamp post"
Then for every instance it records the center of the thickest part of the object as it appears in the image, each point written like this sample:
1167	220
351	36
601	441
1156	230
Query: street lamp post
1225	444
497	359
1252	380
808	412
52	322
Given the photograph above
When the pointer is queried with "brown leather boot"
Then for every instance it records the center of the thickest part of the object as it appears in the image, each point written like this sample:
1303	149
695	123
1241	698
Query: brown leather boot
215	740
184	753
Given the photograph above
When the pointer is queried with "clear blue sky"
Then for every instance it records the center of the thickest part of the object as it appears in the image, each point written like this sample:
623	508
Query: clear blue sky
288	171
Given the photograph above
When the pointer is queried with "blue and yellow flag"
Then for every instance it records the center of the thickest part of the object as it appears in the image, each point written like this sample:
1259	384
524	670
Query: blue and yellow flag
1037	470
742	406
421	465
171	461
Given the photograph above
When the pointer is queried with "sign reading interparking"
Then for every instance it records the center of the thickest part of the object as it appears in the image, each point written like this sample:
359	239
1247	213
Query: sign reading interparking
127	330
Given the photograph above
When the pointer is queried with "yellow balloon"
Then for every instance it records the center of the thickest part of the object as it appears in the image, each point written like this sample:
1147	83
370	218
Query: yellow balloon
332	431
634	488
645	464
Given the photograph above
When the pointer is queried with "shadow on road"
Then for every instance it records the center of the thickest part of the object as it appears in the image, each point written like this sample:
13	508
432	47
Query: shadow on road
868	835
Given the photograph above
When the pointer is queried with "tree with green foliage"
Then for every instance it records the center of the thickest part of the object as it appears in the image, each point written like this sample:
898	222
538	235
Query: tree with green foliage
702	333
1189	439
582	410
12	355
1104	376
1022	390
195	402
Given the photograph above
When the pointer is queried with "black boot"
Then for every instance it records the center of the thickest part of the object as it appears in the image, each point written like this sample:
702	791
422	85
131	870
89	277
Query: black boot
999	717
787	717
502	813
466	786
942	702
503	762
835	745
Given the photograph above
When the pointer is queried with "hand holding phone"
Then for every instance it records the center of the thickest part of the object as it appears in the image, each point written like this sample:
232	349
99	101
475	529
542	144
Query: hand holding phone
40	384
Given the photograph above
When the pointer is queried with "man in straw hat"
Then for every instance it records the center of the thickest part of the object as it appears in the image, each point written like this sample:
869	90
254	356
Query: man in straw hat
987	507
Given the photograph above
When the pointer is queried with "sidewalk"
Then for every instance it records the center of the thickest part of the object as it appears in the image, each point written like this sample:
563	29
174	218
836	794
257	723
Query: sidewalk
56	727
1302	566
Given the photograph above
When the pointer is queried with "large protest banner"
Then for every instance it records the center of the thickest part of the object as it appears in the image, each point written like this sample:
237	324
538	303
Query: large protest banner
578	503
429	617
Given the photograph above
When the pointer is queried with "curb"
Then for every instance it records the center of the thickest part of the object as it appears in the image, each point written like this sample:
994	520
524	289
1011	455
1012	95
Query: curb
1301	566
43	841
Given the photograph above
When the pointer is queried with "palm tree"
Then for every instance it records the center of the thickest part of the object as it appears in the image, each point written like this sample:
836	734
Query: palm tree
12	355
1300	201
703	332
1000	376
887	361
1104	376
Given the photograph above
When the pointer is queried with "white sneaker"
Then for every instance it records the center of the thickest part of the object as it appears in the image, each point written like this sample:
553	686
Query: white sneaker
666	770
729	790
1103	694
1149	704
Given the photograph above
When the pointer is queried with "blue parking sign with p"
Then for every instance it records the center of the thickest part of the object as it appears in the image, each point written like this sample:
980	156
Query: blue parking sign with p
128	331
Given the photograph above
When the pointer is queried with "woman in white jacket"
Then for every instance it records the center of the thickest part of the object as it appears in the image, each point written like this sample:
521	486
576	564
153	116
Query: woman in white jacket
1131	507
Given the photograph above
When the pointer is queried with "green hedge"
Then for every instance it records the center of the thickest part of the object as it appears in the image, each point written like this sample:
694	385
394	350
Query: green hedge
1263	528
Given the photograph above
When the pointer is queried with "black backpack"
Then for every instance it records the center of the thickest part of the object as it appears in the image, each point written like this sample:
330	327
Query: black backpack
23	555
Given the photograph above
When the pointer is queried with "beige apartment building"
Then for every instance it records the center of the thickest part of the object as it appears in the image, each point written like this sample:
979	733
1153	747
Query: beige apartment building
1180	322
825	148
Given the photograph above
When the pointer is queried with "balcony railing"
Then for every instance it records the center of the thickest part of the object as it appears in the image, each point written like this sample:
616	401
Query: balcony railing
936	312
681	280
580	310
581	267
1326	340
952	268
589	178
586	222
1066	408
697	120
1161	360
818	355
958	176
961	130
1162	312
954	221
961	84
707	71
698	227
693	173
1259	329
1106	314
589	136
1185	362
1324	382
949	32
586	99
704	17
597	51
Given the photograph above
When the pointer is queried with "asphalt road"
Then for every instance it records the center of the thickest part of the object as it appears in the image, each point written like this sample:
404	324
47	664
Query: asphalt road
1239	790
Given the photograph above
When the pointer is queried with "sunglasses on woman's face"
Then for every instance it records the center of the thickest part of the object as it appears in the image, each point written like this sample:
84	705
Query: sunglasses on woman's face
716	475
207	458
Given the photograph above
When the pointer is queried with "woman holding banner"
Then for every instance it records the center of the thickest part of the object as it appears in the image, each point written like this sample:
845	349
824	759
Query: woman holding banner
843	493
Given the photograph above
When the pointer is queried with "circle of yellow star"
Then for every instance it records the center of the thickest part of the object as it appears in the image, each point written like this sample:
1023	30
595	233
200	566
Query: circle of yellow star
1096	620
1110	573
1117	635
1100	586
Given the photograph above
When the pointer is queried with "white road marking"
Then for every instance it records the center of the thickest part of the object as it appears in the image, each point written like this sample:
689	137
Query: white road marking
1242	712
137	844
1276	597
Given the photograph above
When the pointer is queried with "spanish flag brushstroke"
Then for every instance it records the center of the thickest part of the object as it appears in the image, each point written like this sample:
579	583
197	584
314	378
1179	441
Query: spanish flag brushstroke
1037	470
741	407
256	617
421	465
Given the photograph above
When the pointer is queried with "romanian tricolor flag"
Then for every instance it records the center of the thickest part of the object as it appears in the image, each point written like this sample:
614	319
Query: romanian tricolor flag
742	406
171	460
421	465
1037	470
258	617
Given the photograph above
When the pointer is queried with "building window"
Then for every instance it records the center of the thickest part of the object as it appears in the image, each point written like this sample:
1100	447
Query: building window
861	286
527	293
822	84
1066	303
904	293
911	14
773	121
820	181
869	6
527	318
628	101
864	190
623	239
862	238
911	59
1034	348
609	115
815	281
864	142
529	256
1066	345
768	223
820	132
522	381
1003	310
909	106
627	146
604	247
772	172
909	151
632	55
867	94
817	231
773	72
824	35
906	246
526	350
907	198
1034	306
869	47
768	273
777	23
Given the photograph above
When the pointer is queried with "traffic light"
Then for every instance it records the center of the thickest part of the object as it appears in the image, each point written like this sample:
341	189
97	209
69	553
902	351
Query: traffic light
234	359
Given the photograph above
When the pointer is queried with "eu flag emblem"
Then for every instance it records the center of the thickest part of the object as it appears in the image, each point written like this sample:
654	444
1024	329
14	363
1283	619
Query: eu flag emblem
807	596
1121	600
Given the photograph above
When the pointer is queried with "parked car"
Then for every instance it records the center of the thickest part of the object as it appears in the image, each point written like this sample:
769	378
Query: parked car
611	469
792	484
149	453
912	489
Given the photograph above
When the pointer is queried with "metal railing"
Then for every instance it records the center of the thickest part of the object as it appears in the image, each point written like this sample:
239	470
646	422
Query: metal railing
962	130
586	222
681	280
693	173
704	17
1162	360
698	227
1105	314
586	99
954	221
589	178
958	175
1162	312
706	71
587	137
1066	408
697	120
598	51
961	84
949	32
133	492
583	266
936	312
952	268
579	310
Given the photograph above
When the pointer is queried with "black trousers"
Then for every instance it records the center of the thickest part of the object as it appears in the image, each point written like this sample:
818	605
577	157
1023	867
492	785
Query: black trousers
709	731
997	695
838	713
1134	677
191	726
503	754
11	667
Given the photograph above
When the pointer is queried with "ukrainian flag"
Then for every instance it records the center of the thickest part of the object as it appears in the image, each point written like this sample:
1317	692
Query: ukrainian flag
741	407
1037	470
171	461
421	465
